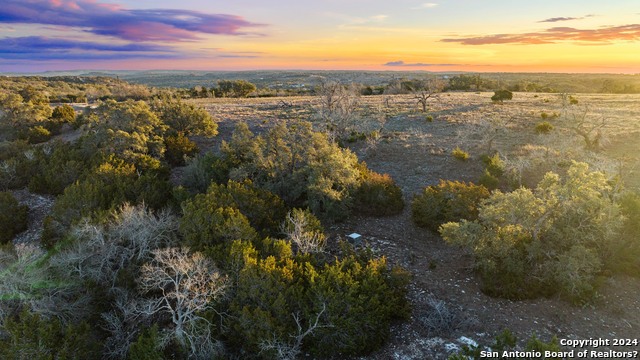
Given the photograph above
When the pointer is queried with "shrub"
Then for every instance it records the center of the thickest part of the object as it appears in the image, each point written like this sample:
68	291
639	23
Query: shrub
544	115
264	210
544	127
148	346
488	180
178	148
460	154
205	224
41	338
299	165
626	255
501	95
494	165
352	303
13	217
448	201
64	114
204	169
58	168
107	187
184	118
378	194
38	134
440	319
532	243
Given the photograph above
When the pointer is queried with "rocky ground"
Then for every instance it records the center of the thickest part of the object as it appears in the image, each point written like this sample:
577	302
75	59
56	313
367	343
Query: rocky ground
449	308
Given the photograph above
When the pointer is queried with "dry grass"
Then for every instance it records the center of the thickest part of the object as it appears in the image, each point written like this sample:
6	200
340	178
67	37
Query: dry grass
417	153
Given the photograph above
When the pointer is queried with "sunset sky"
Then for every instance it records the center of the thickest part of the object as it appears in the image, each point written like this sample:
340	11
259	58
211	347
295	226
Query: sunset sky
443	35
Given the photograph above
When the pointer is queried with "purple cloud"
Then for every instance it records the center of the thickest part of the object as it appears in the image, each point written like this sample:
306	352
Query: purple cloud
557	19
402	63
601	36
42	48
113	20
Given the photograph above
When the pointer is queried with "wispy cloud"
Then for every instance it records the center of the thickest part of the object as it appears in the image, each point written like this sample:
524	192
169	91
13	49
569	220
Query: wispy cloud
425	6
114	20
40	48
379	17
558	19
601	36
401	63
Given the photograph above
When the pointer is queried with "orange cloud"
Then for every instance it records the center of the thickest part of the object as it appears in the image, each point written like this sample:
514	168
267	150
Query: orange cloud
554	35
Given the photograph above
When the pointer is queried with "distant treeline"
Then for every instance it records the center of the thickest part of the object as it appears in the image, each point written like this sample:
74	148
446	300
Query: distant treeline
303	82
71	89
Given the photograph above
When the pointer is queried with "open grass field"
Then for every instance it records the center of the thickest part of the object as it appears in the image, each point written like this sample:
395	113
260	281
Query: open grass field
416	152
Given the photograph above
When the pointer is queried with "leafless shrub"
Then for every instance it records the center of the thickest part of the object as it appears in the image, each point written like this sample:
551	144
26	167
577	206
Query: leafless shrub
484	132
100	251
16	278
300	230
8	174
440	319
338	109
283	350
23	267
143	231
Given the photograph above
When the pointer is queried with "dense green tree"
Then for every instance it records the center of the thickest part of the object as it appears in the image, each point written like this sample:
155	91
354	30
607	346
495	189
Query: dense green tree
32	95
109	186
178	148
447	201
286	305
234	88
378	194
264	210
554	238
204	169
13	217
30	336
502	95
58	167
64	114
148	346
128	129
301	166
205	224
38	134
17	114
184	118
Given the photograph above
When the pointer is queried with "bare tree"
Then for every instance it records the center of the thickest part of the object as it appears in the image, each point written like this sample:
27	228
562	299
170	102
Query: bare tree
426	89
189	283
338	107
485	132
123	322
290	350
300	229
590	130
